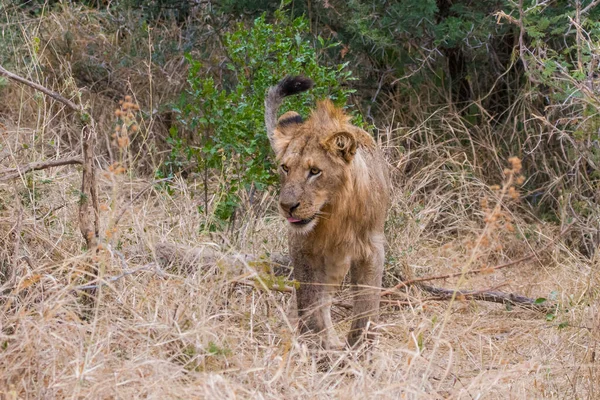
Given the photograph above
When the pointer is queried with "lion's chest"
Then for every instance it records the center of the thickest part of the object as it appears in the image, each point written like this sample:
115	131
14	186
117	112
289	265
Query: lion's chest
344	241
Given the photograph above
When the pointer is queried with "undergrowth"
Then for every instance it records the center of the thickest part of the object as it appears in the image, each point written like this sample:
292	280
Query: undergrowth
216	324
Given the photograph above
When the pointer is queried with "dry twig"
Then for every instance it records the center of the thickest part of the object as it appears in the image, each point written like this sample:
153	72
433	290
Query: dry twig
36	166
40	88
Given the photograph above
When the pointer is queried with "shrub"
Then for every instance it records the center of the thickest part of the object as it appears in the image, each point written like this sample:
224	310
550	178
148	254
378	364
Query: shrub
225	107
560	55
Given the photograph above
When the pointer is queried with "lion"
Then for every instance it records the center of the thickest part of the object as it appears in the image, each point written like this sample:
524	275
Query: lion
335	193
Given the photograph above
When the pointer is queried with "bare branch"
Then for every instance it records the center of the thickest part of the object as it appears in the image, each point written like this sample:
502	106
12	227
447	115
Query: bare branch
488	295
590	6
169	254
255	285
190	258
88	204
13	173
41	88
486	270
521	36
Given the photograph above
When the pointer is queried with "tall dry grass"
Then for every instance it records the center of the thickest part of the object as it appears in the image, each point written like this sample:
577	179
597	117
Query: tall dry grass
206	330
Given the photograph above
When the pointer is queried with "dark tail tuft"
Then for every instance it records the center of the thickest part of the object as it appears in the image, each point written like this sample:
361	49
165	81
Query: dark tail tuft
291	85
288	86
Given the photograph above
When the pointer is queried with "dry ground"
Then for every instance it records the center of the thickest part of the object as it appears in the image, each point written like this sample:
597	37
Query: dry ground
205	330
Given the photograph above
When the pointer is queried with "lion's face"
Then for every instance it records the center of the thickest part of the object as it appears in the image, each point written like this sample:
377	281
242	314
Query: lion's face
314	160
310	179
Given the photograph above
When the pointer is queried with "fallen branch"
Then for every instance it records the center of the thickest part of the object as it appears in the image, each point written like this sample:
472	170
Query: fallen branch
110	279
171	255
488	295
443	294
382	303
256	285
190	258
485	270
12	173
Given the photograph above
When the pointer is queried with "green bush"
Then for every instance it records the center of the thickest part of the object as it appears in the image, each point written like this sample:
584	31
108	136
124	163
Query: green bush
225	108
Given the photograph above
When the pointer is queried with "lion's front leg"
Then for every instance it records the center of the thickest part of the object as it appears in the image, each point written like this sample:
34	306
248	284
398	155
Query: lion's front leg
308	296
366	276
314	297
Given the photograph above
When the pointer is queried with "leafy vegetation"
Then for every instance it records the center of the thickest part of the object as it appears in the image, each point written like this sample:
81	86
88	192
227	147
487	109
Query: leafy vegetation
225	108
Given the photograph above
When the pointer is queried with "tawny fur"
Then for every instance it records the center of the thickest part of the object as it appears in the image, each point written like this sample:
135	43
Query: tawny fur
341	210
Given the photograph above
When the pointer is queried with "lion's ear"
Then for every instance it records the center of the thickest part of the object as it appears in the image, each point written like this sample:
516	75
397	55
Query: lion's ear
342	144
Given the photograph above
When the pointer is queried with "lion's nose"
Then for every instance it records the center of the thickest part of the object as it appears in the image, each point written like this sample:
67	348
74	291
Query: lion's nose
289	206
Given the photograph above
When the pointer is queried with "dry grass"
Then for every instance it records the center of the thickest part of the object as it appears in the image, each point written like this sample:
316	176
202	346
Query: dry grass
175	331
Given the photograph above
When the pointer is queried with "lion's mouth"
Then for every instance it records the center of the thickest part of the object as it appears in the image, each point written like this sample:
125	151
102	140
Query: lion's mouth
300	222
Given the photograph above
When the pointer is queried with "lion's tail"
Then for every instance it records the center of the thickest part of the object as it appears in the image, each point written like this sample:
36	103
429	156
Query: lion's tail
288	86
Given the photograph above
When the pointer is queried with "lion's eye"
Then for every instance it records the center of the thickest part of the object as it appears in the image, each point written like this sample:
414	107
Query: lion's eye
285	168
314	171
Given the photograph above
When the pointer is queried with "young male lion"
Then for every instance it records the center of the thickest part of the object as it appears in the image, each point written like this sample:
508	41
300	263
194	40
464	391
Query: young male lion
335	196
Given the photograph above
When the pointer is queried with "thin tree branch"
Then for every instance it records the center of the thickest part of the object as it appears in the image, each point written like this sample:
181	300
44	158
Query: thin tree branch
441	294
255	285
41	88
522	37
590	6
36	166
188	256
